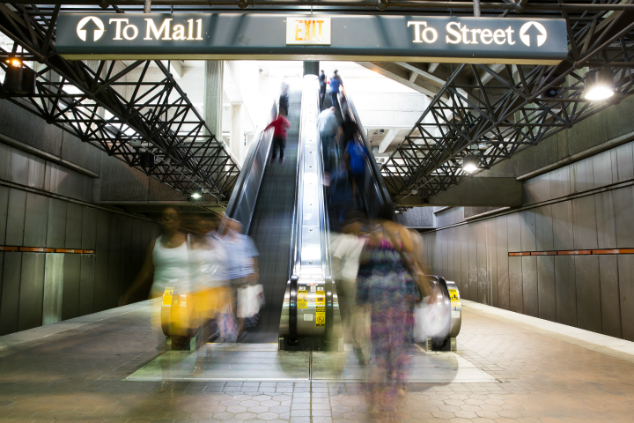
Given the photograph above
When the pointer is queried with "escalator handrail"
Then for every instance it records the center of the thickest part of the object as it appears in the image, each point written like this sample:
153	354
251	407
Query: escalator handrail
346	103
239	189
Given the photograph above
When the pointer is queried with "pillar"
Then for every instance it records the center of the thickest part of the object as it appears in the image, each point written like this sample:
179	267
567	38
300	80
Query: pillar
214	70
237	133
311	67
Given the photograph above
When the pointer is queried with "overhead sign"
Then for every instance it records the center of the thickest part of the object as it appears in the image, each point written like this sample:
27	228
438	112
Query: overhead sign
263	36
307	31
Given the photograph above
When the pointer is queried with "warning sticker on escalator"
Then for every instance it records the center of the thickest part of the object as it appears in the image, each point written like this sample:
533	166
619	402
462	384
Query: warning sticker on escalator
320	299
320	317
455	299
302	298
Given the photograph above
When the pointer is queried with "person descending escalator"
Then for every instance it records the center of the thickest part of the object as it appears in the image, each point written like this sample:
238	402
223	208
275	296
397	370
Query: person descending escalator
328	128
322	88
335	85
280	125
355	156
283	103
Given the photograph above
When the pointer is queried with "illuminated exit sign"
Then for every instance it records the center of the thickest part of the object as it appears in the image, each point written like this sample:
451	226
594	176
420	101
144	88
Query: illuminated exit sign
308	30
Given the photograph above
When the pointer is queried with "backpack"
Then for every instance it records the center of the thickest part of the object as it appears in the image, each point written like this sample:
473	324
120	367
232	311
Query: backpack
357	154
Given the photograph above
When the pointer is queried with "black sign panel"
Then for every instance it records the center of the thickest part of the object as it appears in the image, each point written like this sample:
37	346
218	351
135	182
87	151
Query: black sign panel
363	38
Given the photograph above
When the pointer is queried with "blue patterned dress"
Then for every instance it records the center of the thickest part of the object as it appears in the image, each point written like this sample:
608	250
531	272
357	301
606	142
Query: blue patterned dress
384	283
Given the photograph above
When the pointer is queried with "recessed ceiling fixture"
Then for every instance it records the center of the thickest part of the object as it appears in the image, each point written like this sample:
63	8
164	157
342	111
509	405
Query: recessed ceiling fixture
196	196
599	85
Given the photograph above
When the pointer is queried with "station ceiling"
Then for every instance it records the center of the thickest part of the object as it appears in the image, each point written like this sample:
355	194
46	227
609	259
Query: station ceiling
486	111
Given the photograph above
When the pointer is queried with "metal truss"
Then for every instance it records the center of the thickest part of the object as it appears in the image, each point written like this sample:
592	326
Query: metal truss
119	107
494	111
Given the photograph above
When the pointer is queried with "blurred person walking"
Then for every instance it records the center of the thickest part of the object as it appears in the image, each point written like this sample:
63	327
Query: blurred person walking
346	249
167	265
328	129
241	262
385	283
335	85
280	125
322	88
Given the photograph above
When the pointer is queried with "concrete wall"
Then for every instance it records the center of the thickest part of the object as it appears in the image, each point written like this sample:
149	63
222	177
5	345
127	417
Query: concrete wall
586	205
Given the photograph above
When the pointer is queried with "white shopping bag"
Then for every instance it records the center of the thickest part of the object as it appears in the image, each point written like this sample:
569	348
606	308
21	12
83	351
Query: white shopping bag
250	300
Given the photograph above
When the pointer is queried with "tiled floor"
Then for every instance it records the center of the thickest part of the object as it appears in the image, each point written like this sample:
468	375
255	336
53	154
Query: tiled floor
541	376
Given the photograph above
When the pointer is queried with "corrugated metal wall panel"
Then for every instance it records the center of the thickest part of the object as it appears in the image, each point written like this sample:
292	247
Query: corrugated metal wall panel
602	167
544	240
560	182
588	283
56	231
624	162
114	259
36	220
529	286
537	189
610	301
492	258
514	229
566	290
626	291
606	226
623	213
89	228
86	284
53	288
74	218
480	230
19	167
4	210
584	223
562	226
31	291
70	301
10	299
472	289
5	162
36	173
527	230
15	217
464	260
516	302
503	297
546	287
102	300
583	175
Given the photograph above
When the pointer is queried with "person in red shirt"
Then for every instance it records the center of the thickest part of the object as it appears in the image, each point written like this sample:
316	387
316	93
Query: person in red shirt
280	125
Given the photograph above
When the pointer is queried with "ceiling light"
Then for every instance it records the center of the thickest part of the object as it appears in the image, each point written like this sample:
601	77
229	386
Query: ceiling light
15	62
599	85
19	79
470	164
196	196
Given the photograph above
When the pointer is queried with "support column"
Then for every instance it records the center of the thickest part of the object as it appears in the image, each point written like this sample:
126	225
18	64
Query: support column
237	133
214	71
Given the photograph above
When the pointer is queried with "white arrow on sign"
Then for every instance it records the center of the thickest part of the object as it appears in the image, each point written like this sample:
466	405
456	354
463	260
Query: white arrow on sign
526	33
97	33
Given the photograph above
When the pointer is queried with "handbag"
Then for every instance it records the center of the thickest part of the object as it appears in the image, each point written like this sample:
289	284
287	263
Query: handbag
417	275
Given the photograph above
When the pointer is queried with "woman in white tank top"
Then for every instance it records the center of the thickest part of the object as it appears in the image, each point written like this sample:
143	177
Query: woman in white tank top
167	258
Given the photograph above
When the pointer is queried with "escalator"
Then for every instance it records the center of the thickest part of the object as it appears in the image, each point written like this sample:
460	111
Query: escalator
285	209
266	214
